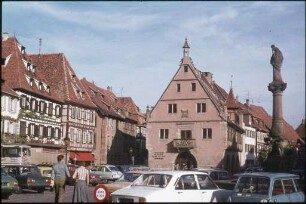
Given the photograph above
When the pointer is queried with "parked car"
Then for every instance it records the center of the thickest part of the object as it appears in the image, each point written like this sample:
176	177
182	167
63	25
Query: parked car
46	172
28	177
267	187
126	168
95	179
9	185
171	186
108	172
215	173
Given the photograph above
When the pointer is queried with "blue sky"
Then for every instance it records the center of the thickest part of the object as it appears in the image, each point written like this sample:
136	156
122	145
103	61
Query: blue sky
135	47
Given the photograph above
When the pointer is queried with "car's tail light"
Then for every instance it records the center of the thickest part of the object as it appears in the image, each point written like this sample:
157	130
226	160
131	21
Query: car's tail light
31	181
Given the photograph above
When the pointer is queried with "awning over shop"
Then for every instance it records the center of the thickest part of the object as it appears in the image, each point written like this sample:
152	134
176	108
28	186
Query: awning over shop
81	156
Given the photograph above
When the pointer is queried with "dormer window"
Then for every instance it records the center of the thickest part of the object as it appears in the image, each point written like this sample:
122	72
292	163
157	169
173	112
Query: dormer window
3	61
40	86
28	66
33	68
31	82
22	50
48	89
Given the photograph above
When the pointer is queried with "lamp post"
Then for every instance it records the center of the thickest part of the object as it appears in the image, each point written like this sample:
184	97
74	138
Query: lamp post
67	143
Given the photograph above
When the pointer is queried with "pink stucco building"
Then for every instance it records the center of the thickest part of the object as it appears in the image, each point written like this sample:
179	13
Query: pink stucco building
190	125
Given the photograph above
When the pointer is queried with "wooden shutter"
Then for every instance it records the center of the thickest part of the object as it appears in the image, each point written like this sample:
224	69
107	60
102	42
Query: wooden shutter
27	103
45	132
50	109
52	132
36	130
36	105
23	128
45	108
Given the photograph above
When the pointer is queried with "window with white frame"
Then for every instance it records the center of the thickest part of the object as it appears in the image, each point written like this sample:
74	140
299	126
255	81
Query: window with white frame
79	136
41	131
57	133
84	137
57	110
49	131
163	133
32	129
172	108
207	133
3	103
186	134
201	107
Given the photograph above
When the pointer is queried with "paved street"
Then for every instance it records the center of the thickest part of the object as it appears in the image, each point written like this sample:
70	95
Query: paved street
46	197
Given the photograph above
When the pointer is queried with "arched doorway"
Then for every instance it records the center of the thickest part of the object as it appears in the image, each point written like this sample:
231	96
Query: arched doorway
185	160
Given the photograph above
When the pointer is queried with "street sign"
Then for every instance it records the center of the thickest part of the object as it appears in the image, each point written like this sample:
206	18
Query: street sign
101	193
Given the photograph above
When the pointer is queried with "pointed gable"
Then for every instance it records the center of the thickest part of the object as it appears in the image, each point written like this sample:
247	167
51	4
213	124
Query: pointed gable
20	74
62	76
231	102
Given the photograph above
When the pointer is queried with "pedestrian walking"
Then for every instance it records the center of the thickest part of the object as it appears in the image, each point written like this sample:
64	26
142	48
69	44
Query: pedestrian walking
80	193
59	174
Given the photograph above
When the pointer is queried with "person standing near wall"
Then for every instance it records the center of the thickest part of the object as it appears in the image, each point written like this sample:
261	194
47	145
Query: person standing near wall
80	194
59	174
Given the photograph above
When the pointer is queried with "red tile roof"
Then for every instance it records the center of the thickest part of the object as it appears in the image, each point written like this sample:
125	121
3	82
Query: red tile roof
6	89
15	72
301	130
231	101
61	75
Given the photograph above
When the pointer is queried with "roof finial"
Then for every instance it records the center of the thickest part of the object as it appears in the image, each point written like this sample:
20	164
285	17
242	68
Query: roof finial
186	49
231	81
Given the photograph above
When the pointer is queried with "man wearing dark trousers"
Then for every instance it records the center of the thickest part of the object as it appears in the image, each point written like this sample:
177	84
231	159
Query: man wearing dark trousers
59	174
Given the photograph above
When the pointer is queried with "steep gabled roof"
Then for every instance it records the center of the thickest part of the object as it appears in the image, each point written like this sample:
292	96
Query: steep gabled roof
7	90
132	109
301	130
61	75
101	98
231	102
289	133
19	73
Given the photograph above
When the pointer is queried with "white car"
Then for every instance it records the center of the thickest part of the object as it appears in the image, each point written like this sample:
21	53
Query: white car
171	186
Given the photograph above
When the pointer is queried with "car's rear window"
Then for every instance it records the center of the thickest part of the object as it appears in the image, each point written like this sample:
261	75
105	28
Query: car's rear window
253	185
153	180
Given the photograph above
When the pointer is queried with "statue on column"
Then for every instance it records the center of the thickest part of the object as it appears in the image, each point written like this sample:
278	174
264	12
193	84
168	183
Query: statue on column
276	61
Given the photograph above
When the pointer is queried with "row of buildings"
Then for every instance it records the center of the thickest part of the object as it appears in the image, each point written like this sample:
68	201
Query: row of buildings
195	122
46	106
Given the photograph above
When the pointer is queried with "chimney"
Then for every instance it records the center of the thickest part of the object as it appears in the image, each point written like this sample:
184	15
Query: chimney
208	77
5	36
109	88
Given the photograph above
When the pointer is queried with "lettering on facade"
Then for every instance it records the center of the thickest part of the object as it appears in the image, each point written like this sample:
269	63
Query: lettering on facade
158	155
183	143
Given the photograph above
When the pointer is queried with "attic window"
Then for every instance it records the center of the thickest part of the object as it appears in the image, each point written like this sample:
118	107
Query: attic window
31	82
185	68
48	89
28	66
22	50
2	61
40	86
34	69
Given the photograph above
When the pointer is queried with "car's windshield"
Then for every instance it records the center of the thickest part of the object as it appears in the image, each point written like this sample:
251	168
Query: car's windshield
30	170
113	168
253	185
153	180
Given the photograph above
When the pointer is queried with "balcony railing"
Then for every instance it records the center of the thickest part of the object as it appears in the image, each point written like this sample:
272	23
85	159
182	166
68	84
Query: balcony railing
184	143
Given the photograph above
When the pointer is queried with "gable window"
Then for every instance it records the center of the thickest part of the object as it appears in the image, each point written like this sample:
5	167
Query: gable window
3	61
31	82
201	107
48	89
178	87
172	108
186	134
163	133
185	68
193	86
207	133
